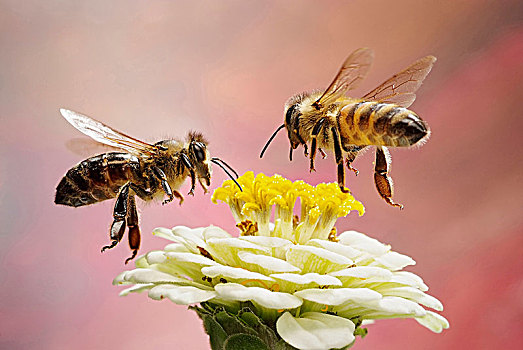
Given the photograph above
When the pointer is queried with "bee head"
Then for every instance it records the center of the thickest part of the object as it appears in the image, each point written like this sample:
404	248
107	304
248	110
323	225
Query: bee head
292	115
200	156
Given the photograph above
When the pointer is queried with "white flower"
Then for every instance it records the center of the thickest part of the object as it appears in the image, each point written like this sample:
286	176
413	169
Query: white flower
313	287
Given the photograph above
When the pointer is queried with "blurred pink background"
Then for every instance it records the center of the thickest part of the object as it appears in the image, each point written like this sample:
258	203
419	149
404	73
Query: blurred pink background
155	69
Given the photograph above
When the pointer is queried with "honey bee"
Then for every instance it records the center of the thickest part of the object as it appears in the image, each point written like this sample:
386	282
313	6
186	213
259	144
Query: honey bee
331	120
149	171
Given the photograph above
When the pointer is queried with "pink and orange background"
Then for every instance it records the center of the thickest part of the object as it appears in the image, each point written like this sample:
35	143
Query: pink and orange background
157	69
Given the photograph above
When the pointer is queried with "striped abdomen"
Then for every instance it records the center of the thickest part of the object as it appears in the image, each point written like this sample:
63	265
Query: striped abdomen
97	178
381	124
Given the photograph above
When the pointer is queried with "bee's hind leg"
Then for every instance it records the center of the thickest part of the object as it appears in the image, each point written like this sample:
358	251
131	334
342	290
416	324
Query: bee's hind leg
381	176
134	229
119	214
314	135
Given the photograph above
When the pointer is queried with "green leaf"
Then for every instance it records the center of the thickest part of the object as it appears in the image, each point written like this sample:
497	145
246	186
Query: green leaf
244	342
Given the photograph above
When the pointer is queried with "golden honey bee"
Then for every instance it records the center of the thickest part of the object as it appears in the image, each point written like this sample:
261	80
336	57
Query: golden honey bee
149	171
331	120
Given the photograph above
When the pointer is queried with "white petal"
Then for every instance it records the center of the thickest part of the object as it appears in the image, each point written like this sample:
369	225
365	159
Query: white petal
314	330
409	279
191	258
363	242
266	264
433	321
214	232
307	280
141	276
156	257
225	250
336	247
183	295
319	260
261	296
339	296
413	294
137	288
235	274
270	242
190	238
277	245
370	273
176	247
396	307
393	261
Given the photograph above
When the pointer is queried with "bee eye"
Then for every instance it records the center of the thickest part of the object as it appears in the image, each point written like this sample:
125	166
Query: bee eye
198	152
289	114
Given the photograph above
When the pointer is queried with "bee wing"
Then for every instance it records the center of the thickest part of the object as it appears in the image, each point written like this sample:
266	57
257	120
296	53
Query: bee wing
401	88
102	133
85	147
351	73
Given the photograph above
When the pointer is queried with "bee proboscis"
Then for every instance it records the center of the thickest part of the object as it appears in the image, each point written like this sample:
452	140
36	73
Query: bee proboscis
149	171
345	125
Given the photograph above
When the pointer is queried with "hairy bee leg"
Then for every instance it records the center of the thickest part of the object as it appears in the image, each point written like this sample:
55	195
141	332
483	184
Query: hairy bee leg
179	196
339	160
134	229
382	179
119	214
351	156
302	142
187	163
314	135
204	187
165	185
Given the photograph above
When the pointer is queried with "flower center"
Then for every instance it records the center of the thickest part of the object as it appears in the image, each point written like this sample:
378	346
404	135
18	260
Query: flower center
265	196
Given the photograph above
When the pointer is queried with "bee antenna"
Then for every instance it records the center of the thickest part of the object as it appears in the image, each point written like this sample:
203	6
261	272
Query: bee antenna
227	165
215	161
270	140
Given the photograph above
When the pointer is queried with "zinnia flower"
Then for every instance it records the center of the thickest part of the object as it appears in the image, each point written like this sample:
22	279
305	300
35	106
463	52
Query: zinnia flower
292	278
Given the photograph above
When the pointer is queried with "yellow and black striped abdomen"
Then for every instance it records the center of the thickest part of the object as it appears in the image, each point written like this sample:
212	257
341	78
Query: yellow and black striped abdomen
97	179
364	123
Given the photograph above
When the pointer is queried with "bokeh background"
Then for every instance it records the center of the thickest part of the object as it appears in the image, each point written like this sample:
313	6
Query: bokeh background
156	69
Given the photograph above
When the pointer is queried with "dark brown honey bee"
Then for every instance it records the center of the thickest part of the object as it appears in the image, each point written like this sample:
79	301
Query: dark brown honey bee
330	120
149	171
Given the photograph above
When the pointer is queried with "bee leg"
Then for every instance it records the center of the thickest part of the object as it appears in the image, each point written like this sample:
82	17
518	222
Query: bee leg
315	132
322	152
339	159
302	142
165	185
381	178
352	153
187	163
134	229
179	196
119	214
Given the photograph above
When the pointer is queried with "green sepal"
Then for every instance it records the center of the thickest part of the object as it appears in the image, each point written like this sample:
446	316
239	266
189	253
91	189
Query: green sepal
244	342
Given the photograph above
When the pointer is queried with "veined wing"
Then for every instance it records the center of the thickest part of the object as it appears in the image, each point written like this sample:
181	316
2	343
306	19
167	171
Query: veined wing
351	73
401	88
102	133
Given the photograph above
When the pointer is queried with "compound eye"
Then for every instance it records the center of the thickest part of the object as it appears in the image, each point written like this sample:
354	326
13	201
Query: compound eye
199	152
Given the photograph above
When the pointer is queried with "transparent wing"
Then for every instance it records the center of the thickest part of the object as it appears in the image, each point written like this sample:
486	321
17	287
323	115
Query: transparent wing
86	147
106	135
401	88
352	72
